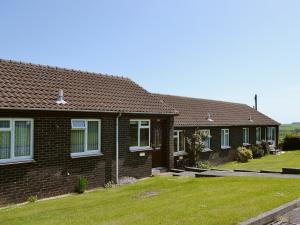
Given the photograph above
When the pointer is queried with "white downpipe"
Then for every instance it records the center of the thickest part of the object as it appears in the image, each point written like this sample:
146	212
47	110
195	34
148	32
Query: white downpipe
117	147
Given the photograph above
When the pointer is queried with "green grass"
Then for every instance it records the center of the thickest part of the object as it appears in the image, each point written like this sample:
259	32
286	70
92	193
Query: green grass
269	162
187	201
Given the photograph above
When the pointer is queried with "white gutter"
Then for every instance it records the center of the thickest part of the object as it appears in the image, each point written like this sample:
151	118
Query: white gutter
117	147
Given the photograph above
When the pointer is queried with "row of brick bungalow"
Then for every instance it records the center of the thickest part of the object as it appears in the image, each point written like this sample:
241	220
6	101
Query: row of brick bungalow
59	124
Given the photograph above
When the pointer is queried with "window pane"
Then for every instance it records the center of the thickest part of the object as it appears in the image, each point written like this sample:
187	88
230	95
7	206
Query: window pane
258	134
78	124
93	135
22	138
273	133
181	141
175	144
4	124
77	141
5	144
144	123
144	136
134	126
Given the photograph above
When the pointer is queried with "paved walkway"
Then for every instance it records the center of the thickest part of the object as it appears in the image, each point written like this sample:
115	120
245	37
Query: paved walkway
292	218
228	173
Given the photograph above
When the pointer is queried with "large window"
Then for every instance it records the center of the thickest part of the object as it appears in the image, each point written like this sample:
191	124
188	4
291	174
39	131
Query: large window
245	136
179	141
272	135
85	137
207	137
16	139
258	135
139	133
225	138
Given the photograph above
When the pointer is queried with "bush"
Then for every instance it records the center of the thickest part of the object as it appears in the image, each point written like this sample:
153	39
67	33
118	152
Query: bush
81	185
257	151
244	154
109	184
32	198
291	142
266	147
203	165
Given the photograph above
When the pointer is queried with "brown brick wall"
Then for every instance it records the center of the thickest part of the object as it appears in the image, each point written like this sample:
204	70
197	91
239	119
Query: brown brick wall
54	172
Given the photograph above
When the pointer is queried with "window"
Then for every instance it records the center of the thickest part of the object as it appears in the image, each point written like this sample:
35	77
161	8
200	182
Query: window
206	134
245	136
179	141
85	137
258	135
225	138
139	133
157	136
16	139
272	135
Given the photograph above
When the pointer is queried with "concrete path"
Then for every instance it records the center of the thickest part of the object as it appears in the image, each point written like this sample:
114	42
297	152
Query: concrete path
292	217
217	173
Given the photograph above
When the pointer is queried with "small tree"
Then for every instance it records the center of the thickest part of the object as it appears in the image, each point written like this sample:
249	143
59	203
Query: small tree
196	145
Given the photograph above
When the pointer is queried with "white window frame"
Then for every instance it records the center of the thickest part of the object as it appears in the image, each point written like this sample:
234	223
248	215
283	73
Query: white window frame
86	152
256	129
270	136
140	126
12	140
177	135
246	142
226	132
209	137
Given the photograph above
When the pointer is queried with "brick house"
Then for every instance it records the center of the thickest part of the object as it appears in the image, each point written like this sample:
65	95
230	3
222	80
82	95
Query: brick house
229	126
59	124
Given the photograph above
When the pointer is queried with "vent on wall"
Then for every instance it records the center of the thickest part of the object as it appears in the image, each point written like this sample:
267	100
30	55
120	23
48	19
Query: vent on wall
60	100
209	118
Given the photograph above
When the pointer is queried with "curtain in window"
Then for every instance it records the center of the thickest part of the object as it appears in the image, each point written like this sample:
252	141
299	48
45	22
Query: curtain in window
77	141
144	137
22	138
222	137
93	135
5	144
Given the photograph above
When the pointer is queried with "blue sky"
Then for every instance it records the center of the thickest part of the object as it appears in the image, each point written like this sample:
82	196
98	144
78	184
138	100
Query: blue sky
217	49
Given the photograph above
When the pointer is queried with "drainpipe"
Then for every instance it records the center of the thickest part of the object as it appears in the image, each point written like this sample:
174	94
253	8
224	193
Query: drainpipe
117	147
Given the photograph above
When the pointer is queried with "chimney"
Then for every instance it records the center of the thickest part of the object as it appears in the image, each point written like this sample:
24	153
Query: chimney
255	98
60	100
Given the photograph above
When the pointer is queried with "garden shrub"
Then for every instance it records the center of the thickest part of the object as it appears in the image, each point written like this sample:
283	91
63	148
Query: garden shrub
257	151
291	142
81	185
203	165
266	147
244	154
109	184
32	198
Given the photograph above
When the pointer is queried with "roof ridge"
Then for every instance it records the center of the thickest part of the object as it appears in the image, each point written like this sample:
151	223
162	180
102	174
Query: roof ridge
194	98
64	69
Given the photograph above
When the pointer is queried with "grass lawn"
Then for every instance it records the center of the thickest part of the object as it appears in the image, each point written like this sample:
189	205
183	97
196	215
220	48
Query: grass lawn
270	162
161	200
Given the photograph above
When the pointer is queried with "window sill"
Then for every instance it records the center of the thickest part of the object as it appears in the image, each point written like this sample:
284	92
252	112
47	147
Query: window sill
207	150
140	149
13	162
86	155
246	144
180	153
225	147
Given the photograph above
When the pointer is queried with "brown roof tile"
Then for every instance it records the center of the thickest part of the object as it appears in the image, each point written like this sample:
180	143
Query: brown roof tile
194	112
29	86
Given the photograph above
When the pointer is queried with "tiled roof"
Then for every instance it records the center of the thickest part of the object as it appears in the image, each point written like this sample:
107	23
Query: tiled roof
195	112
29	86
